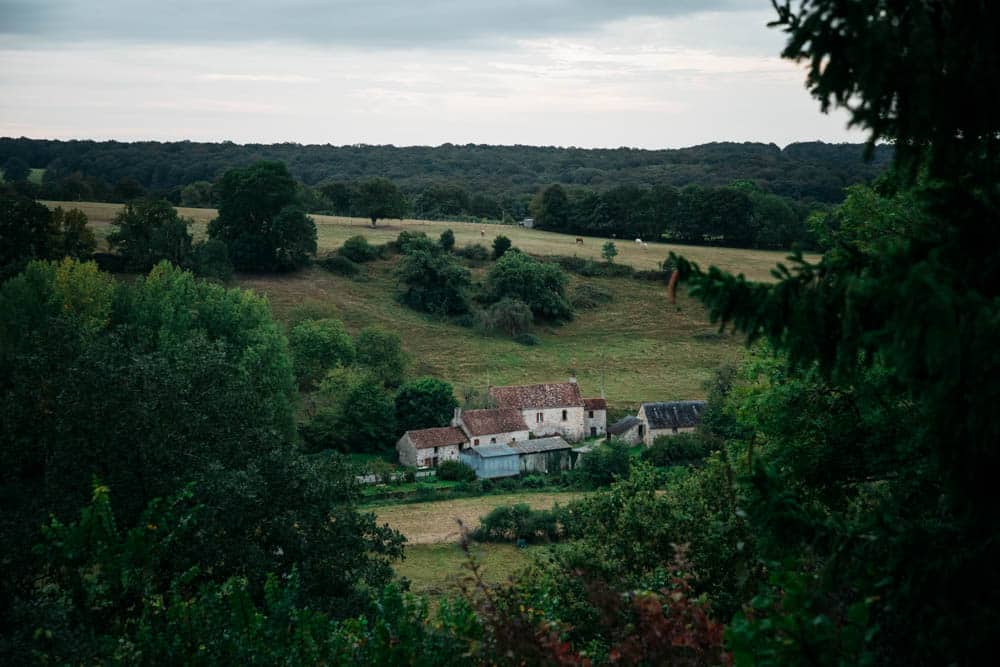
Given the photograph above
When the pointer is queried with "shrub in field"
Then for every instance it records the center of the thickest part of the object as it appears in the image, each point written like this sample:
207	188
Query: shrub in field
511	523
381	354
358	250
474	252
528	339
509	316
149	231
210	259
680	449
455	471
316	347
447	240
501	245
434	283
340	265
412	242
540	285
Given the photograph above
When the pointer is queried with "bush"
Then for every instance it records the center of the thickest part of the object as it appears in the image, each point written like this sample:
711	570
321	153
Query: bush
501	245
358	250
447	240
509	316
474	252
316	347
680	449
434	283
340	265
413	242
601	465
455	471
424	403
528	339
512	523
540	285
588	296
381	354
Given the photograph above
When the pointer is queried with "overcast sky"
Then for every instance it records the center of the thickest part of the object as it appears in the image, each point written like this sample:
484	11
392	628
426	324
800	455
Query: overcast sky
546	72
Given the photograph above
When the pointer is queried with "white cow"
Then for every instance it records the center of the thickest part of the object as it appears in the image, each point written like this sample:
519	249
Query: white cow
638	240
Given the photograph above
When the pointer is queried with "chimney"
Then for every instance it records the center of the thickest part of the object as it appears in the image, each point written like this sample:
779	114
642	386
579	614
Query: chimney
457	419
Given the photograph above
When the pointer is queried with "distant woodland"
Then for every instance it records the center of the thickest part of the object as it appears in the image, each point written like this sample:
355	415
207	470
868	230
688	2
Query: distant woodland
719	193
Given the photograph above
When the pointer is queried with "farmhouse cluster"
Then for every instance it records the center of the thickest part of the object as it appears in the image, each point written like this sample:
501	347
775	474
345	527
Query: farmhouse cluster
531	428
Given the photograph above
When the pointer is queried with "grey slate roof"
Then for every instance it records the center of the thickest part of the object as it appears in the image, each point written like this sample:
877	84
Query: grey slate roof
675	414
623	425
552	444
490	451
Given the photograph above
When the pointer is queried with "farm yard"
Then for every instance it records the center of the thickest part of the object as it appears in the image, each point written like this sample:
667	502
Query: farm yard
637	348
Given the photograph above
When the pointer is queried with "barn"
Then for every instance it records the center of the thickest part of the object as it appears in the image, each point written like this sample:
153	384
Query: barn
543	455
669	418
491	461
629	429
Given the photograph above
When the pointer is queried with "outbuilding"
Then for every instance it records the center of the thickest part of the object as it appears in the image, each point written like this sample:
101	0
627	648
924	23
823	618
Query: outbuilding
629	430
669	418
595	416
491	461
543	455
426	447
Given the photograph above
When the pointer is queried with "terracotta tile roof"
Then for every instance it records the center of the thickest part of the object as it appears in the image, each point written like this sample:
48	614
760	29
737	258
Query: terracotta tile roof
676	414
595	404
426	438
554	395
499	420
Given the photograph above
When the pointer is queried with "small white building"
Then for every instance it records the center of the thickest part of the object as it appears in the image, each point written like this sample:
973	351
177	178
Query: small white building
426	447
629	430
669	418
527	223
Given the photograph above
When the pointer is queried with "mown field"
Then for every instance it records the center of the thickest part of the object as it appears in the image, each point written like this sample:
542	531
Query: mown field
639	347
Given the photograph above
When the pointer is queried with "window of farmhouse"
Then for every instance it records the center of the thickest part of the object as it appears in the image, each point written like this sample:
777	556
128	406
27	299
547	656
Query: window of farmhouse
564	415
591	414
538	418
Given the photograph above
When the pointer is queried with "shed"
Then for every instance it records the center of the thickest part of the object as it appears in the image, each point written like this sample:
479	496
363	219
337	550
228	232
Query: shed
527	222
670	418
543	455
629	429
491	461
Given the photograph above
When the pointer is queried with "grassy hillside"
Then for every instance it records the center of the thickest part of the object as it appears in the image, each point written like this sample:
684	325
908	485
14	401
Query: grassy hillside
639	348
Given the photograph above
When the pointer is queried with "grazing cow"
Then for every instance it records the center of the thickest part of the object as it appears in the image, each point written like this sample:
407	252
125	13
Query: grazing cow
645	245
579	240
482	233
638	240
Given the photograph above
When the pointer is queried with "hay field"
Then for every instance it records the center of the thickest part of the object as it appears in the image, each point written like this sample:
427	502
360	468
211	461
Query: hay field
436	570
332	231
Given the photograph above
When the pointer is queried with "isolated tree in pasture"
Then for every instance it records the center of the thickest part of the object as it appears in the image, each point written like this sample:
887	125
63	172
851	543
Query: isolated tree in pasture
609	251
433	283
149	231
259	220
540	285
447	240
424	403
76	238
378	198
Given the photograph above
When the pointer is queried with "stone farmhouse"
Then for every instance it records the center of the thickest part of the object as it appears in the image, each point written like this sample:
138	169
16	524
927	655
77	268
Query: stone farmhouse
554	409
671	418
522	413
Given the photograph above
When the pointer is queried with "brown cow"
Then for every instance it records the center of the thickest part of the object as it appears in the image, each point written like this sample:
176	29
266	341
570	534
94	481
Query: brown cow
579	240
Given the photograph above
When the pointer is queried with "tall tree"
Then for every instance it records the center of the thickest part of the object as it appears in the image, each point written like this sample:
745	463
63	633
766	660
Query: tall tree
148	231
378	198
15	169
259	220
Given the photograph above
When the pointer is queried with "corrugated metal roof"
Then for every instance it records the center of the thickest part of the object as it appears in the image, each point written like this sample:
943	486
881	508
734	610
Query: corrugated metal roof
537	445
491	451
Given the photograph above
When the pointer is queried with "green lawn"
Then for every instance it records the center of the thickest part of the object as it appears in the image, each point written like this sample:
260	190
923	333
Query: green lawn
436	570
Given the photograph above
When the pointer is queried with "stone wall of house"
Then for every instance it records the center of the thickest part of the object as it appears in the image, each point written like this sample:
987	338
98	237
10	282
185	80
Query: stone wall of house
407	452
596	425
653	434
499	438
631	436
551	422
425	457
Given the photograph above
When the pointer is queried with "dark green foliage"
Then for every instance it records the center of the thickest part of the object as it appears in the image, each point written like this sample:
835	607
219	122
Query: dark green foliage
587	295
378	198
342	266
15	169
455	471
260	221
508	316
609	251
210	259
150	231
411	242
604	464
433	283
551	208
153	384
127	189
447	240
424	403
590	268
501	245
513	523
357	249
318	346
528	339
380	353
474	252
76	239
197	194
367	418
680	449
540	285
27	231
